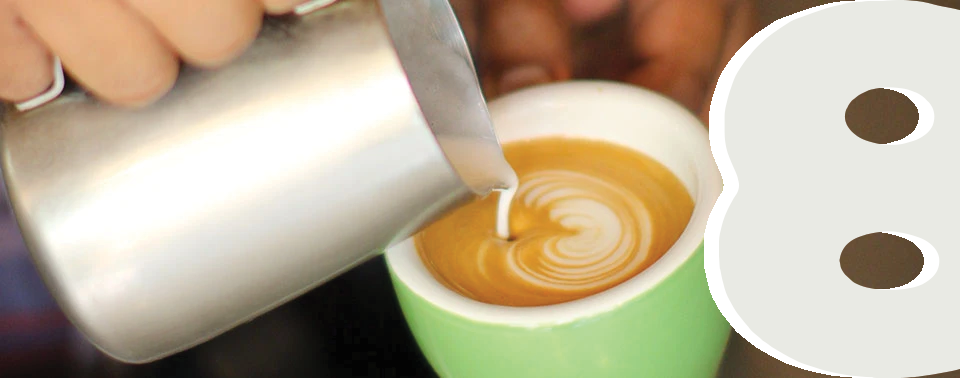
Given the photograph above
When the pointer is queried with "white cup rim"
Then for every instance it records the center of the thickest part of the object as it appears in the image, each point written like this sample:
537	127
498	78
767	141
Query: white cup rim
579	95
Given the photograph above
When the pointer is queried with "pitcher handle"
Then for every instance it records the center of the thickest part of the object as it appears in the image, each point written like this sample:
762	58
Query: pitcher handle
50	94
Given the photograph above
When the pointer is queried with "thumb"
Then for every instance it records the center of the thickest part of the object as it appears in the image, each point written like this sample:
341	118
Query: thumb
743	25
524	42
678	43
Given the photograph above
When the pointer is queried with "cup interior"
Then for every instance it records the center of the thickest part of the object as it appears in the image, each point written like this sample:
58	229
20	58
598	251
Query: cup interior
618	113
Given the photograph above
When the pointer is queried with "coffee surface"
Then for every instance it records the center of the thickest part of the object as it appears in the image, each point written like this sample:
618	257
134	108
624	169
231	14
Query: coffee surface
586	216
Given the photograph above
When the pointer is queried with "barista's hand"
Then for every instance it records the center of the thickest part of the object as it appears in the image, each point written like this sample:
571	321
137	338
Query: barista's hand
676	47
125	51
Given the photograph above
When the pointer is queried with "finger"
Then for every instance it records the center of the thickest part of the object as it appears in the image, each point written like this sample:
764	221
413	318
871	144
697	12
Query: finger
587	11
467	13
525	42
206	33
107	48
25	65
678	43
743	25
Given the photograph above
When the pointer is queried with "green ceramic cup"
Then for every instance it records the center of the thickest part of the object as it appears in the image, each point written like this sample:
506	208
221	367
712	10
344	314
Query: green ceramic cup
661	323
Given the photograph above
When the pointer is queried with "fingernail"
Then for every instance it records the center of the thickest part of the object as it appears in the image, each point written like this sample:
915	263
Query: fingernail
523	76
277	7
587	11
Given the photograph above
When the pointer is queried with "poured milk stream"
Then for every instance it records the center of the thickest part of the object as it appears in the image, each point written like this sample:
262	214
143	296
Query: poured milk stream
503	212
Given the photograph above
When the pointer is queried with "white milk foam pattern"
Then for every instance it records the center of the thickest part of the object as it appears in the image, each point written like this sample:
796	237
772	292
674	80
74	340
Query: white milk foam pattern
607	224
586	216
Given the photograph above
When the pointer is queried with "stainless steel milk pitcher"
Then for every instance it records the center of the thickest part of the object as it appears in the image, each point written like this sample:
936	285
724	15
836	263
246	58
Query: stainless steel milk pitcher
332	137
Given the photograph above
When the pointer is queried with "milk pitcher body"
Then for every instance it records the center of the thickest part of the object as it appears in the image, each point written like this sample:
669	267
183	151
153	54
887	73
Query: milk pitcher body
339	132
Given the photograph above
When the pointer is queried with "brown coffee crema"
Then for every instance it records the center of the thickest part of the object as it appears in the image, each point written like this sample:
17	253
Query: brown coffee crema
587	216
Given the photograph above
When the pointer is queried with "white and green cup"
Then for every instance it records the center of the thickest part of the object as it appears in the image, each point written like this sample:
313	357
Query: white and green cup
661	323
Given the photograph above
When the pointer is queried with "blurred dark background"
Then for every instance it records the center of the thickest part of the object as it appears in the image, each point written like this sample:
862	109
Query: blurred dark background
352	326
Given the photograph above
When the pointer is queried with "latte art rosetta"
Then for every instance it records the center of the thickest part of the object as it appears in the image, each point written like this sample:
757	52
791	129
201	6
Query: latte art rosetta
587	216
602	244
